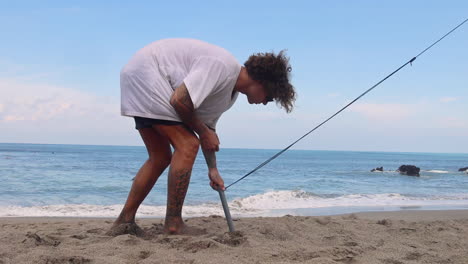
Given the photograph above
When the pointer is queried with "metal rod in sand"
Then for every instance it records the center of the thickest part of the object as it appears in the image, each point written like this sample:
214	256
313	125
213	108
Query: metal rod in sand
226	210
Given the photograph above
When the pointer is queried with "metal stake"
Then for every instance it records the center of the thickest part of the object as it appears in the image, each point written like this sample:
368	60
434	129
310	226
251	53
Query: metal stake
226	210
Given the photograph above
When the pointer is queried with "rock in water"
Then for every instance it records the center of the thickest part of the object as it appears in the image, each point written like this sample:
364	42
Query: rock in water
409	170
463	169
377	169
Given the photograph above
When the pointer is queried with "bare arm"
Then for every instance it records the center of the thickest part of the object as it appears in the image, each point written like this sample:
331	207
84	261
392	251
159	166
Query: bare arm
216	181
183	105
210	158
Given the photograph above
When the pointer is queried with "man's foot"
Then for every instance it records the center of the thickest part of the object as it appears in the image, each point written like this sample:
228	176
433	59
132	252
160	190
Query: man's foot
174	226
125	228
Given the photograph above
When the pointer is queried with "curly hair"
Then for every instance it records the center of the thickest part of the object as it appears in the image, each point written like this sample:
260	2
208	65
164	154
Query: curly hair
273	72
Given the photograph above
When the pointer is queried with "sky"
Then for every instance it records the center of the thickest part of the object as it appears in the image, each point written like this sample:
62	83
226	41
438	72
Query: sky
60	64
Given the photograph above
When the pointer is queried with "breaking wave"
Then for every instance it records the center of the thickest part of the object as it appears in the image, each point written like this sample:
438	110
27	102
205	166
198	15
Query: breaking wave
256	205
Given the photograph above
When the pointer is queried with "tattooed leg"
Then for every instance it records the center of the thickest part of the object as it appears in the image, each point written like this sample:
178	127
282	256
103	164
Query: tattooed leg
177	189
186	146
178	182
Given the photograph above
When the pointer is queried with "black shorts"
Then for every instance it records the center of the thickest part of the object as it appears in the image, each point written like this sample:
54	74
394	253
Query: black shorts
143	122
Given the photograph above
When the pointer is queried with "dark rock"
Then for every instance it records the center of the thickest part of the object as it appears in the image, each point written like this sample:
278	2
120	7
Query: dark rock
463	169
377	169
409	170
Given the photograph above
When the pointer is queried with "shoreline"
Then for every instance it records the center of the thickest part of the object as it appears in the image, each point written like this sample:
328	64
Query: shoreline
412	236
217	210
405	215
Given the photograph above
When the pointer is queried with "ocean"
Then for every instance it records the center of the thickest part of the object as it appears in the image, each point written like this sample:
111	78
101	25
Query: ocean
93	181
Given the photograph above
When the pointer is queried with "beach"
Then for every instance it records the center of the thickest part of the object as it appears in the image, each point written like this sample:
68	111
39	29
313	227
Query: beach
330	132
416	236
57	202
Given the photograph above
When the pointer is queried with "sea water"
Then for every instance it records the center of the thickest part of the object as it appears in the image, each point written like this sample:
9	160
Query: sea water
94	181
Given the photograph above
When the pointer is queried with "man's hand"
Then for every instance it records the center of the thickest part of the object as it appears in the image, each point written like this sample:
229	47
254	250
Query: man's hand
216	182
209	140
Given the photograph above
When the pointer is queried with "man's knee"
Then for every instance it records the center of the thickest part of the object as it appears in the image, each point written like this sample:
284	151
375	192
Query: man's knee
189	148
160	158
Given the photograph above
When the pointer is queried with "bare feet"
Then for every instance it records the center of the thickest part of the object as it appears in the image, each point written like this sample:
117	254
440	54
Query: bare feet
174	225
121	227
125	225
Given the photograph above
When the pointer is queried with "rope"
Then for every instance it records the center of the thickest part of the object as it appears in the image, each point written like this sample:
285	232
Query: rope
335	114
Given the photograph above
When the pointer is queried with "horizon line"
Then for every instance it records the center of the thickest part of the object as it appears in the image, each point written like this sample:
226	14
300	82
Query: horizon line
331	150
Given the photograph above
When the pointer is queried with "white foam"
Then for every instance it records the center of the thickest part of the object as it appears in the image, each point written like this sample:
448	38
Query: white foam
437	171
89	210
256	205
300	199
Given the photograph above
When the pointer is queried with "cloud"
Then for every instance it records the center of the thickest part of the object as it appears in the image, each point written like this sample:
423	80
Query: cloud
453	122
23	101
42	113
268	116
333	94
388	111
21	73
448	99
34	112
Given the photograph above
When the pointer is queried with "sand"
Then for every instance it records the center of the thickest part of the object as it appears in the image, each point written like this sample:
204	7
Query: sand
384	237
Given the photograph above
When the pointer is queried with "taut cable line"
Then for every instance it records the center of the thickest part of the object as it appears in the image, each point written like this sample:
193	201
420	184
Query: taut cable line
335	114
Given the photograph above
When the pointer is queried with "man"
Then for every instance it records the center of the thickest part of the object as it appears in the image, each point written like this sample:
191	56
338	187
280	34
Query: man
176	90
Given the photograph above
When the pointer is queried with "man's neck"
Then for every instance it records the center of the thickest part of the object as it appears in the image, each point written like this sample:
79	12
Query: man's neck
242	81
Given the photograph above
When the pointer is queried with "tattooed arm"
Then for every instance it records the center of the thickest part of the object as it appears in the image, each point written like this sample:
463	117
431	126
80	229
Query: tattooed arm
183	105
216	181
210	157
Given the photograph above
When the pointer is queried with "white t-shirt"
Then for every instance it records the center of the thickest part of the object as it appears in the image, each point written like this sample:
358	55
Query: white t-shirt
149	79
